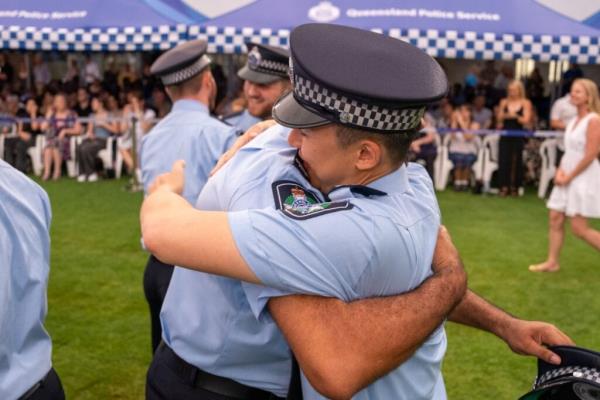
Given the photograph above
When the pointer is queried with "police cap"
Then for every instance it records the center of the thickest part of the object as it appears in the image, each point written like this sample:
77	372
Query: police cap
576	378
265	64
359	79
181	63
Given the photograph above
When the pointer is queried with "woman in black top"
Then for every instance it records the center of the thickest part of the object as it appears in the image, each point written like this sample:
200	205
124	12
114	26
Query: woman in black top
514	113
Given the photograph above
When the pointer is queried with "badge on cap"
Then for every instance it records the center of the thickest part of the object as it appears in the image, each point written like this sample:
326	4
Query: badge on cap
254	58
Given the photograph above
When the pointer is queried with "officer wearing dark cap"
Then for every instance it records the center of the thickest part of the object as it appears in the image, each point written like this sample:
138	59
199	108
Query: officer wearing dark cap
576	378
188	132
266	79
329	208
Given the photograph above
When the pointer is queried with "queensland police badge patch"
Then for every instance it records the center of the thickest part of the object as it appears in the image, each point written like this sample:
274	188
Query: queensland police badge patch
300	203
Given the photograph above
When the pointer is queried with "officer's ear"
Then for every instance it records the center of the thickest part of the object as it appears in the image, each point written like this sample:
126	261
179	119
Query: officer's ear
369	154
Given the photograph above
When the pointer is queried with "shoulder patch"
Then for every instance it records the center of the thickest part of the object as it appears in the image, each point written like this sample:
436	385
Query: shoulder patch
299	203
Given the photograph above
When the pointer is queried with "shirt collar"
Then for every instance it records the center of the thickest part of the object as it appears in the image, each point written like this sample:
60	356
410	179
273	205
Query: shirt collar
190	105
394	182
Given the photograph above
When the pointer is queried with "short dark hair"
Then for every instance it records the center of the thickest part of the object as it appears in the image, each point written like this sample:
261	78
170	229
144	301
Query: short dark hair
190	86
396	144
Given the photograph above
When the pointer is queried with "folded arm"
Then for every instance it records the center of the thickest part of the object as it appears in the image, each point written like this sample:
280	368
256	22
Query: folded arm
343	347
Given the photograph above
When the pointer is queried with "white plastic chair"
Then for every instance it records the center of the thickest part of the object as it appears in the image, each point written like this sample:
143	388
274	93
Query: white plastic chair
35	152
72	164
106	154
446	165
490	159
548	154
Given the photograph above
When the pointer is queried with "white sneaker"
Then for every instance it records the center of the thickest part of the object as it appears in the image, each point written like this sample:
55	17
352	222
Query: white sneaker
81	178
93	177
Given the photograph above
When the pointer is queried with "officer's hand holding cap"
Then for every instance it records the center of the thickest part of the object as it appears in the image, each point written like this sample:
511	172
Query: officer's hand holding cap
576	378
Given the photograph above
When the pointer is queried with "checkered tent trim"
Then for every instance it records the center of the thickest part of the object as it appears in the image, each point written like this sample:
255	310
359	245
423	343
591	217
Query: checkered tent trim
356	113
443	44
589	374
144	38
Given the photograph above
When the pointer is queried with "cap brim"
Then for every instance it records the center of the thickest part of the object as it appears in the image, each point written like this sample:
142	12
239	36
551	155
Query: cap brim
288	112
247	74
565	390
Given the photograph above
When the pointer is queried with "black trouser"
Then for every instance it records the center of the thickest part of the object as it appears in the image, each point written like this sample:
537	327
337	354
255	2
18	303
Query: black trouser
15	152
510	162
49	388
87	152
156	282
170	377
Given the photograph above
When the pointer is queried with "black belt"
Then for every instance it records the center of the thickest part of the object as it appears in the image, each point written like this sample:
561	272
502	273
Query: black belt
212	383
34	388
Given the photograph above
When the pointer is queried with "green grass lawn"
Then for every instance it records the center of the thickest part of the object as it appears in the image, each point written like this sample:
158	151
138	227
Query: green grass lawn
99	324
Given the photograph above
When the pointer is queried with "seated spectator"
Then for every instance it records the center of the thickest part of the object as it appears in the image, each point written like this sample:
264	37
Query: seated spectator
60	124
481	114
99	129
135	110
443	115
462	147
27	131
71	78
424	147
160	103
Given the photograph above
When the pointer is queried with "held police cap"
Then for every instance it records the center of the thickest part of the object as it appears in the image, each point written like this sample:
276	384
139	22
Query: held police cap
576	378
265	64
357	78
181	63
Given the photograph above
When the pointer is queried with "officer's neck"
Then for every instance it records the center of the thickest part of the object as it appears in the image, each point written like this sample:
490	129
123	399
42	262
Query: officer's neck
358	177
200	97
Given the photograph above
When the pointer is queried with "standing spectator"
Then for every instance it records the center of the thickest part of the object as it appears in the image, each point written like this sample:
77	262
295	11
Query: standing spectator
8	127
488	74
27	131
562	112
91	71
424	147
569	76
100	128
575	194
23	77
127	77
135	110
41	73
443	115
148	82
160	102
60	124
481	114
71	78
6	72
83	108
462	148
514	113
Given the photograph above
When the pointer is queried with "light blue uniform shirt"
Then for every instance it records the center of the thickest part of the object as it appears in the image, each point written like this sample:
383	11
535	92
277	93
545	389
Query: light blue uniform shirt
25	346
188	132
382	245
242	120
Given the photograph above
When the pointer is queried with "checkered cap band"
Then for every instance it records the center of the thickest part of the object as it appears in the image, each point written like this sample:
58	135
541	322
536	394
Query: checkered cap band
271	68
354	112
185	73
589	374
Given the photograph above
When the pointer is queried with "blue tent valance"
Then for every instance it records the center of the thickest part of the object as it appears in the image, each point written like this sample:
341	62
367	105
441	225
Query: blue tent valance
542	30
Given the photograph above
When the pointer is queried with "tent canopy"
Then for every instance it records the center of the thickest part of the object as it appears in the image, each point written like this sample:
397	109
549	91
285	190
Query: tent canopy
485	29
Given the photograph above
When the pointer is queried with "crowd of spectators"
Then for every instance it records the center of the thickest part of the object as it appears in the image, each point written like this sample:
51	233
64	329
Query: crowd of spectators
95	103
491	98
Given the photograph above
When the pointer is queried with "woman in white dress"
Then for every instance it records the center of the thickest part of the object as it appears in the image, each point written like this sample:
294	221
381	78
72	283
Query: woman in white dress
576	193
